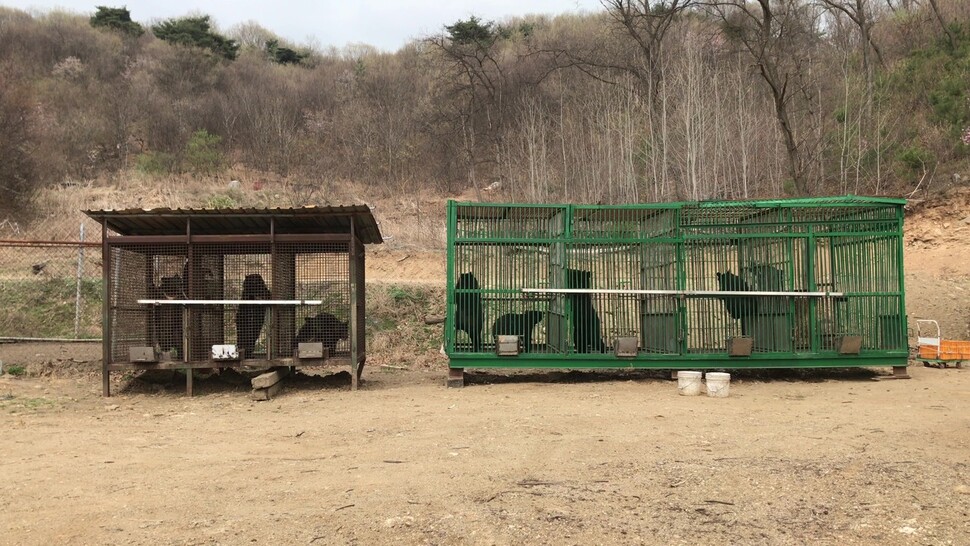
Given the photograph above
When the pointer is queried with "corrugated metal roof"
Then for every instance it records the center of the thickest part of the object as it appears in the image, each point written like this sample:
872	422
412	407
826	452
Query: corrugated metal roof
242	221
794	202
806	209
797	202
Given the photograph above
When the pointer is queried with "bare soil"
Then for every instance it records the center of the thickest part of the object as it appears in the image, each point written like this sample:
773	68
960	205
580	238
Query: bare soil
826	457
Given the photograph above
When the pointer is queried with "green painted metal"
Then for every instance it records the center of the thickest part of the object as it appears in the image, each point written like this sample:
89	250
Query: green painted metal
611	257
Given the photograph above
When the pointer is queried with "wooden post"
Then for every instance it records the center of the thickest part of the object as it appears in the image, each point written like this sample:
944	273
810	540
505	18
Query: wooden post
272	335
187	346
105	310
283	317
208	272
354	263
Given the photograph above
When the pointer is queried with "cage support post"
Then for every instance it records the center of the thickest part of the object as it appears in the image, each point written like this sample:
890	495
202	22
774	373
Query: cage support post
105	310
283	319
354	264
456	378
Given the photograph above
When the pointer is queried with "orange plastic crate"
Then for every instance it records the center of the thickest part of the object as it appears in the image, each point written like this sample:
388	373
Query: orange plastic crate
928	351
947	350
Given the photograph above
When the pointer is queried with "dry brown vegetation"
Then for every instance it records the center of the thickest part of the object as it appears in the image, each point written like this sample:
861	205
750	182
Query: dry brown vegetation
680	99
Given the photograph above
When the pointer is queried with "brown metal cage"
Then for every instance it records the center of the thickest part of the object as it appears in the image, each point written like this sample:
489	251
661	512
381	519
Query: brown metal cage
191	288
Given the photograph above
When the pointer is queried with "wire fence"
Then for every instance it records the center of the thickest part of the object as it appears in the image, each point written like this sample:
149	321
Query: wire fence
51	290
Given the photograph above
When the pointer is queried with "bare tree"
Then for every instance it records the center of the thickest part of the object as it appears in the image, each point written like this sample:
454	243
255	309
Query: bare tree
943	26
860	13
778	35
17	171
474	79
647	23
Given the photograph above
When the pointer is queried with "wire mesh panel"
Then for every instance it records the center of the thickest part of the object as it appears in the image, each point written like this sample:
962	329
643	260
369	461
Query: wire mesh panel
358	301
320	271
50	290
617	254
681	284
236	272
495	256
231	271
140	272
193	288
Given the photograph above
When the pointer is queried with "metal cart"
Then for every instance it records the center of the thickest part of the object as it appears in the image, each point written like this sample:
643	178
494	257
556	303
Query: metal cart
934	351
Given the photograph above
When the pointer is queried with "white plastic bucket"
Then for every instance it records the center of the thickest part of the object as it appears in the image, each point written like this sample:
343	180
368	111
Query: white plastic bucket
718	384
689	383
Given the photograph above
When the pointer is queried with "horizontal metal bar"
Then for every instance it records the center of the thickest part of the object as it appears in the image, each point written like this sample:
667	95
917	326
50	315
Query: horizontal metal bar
14	339
680	292
230	302
255	362
690	237
535	242
119	240
828	359
28	244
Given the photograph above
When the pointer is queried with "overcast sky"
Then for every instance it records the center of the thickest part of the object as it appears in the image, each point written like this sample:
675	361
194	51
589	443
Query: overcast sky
386	24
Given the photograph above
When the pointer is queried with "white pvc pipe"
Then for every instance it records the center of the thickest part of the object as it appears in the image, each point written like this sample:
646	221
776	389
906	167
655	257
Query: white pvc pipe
679	292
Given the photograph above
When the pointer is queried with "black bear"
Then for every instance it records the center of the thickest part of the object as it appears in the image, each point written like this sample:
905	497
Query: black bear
587	335
518	324
766	277
469	314
324	328
739	307
250	318
168	318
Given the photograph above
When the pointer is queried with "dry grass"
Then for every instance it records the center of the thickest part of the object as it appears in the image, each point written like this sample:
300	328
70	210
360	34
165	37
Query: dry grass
412	219
396	332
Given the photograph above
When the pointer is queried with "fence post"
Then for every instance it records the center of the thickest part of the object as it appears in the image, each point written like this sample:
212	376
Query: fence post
80	272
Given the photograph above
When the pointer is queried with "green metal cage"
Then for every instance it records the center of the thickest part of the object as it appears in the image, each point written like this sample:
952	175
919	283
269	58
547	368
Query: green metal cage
731	284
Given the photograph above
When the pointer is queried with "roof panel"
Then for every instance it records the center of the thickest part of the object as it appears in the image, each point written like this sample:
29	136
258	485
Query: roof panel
802	209
242	221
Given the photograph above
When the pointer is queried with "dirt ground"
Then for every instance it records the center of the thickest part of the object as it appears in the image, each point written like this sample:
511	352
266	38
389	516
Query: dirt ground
827	457
567	458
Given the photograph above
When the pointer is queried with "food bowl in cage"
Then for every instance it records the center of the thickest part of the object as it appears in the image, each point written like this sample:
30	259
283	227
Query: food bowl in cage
224	352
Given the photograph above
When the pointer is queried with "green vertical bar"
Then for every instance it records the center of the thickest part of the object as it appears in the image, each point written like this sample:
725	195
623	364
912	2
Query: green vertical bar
681	266
813	332
449	337
567	235
836	285
789	285
898	238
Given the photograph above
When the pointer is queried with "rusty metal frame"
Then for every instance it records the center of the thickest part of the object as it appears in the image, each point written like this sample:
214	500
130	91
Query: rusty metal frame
355	248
